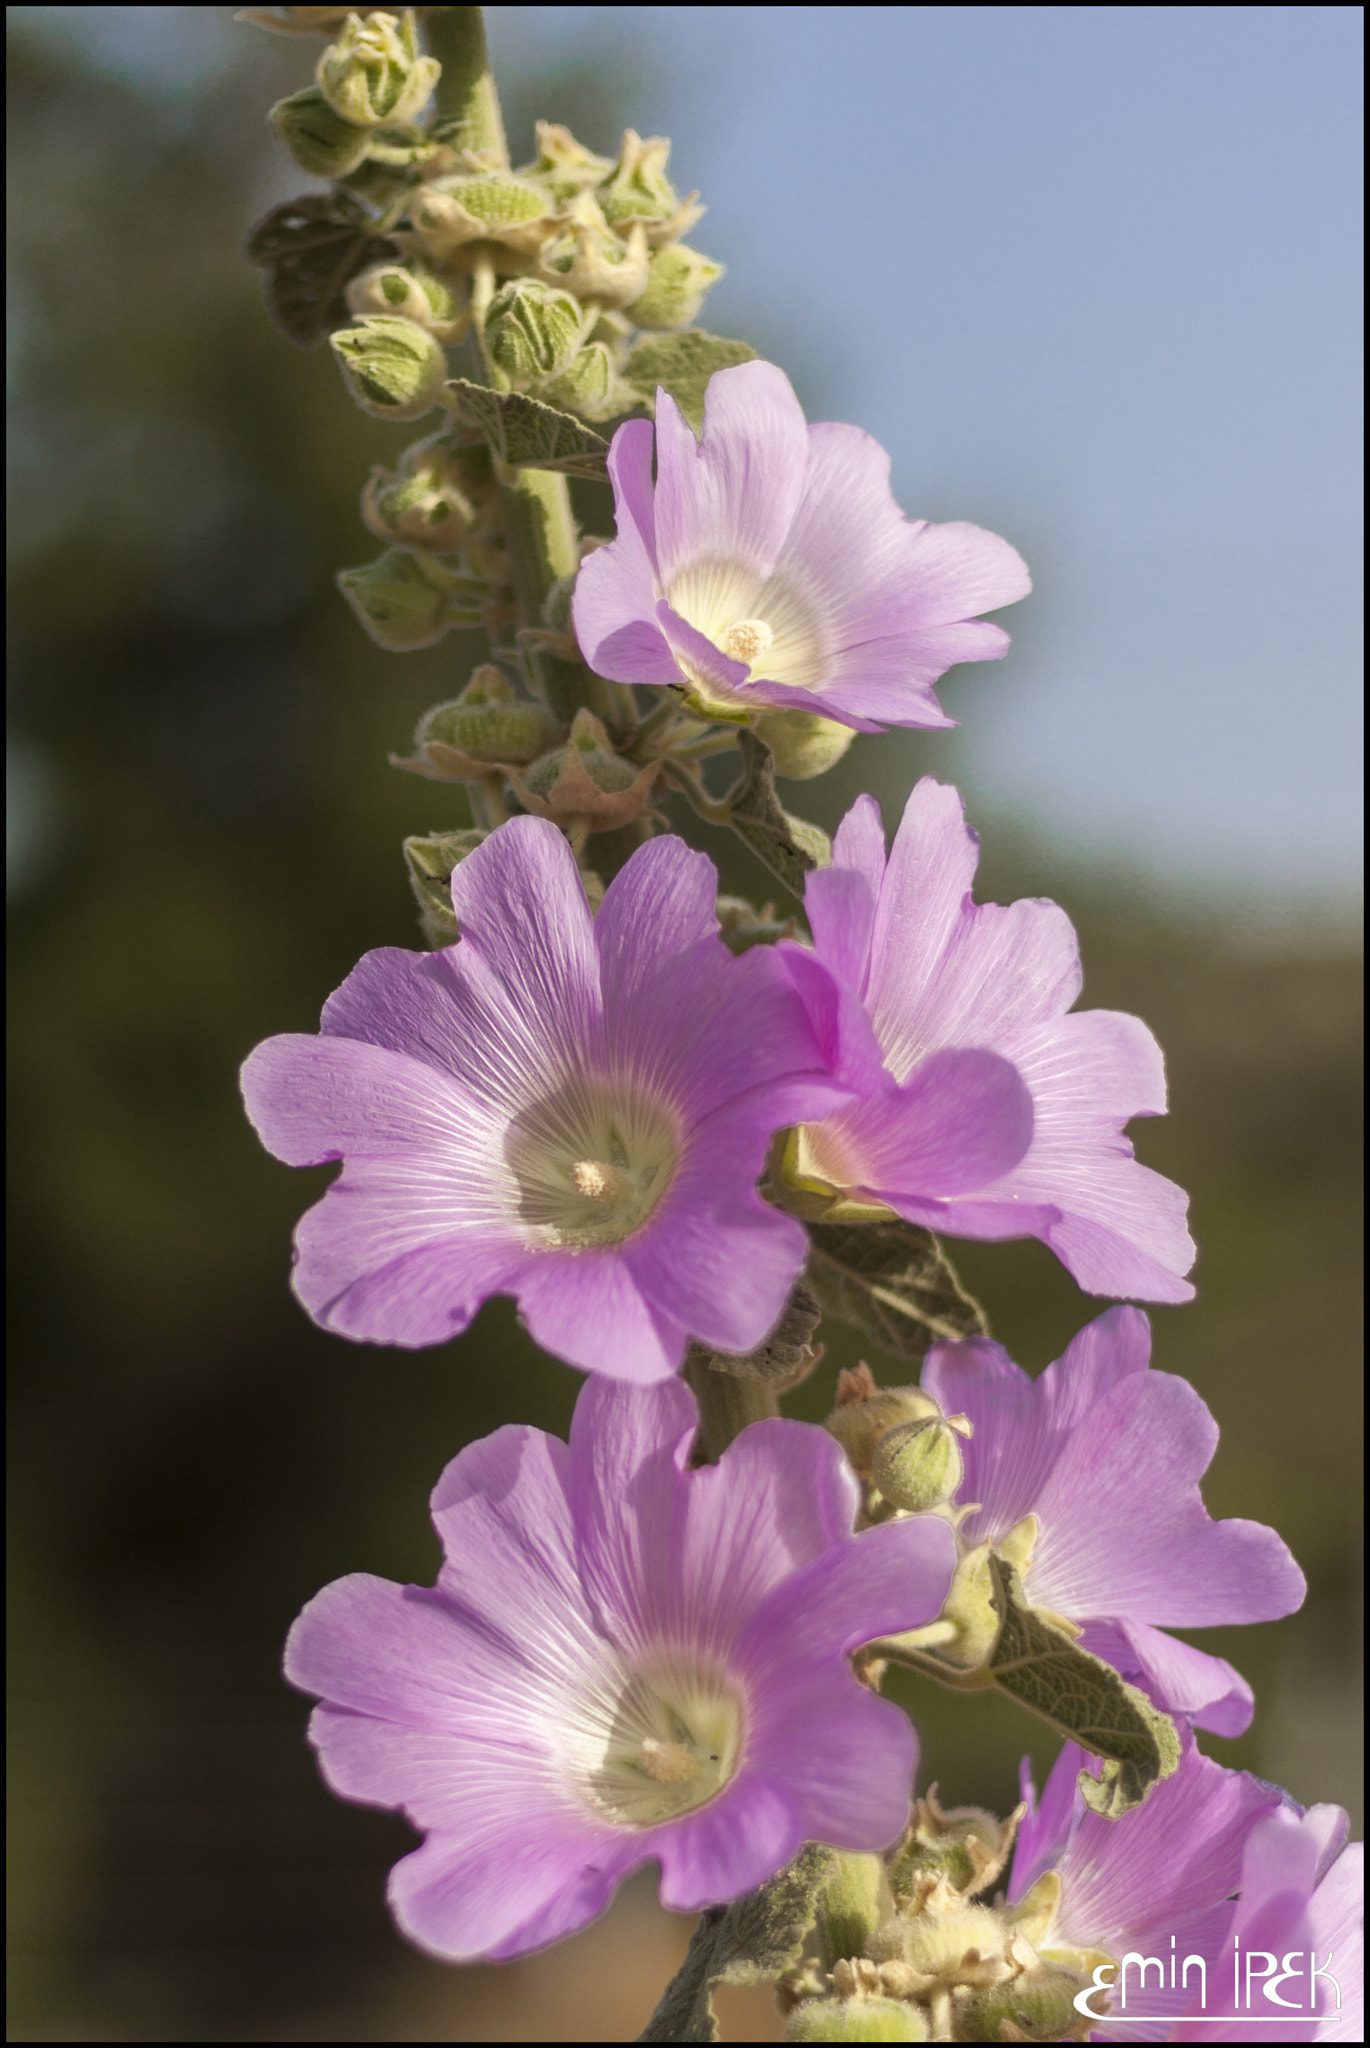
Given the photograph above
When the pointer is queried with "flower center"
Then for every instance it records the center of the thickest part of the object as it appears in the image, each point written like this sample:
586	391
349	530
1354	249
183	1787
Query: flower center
590	1163
664	1742
746	640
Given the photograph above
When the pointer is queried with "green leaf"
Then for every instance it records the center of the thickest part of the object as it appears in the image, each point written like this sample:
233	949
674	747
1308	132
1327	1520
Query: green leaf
894	1281
790	847
752	1942
310	249
1082	1698
683	363
528	434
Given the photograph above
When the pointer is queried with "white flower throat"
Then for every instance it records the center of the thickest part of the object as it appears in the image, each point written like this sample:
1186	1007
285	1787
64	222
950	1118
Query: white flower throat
590	1163
661	1742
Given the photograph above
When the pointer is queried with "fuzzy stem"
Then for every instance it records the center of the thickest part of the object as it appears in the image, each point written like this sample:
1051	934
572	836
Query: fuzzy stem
543	548
727	1403
468	114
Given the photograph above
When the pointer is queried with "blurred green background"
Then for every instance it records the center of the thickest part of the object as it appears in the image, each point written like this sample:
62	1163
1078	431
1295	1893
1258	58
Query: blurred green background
204	837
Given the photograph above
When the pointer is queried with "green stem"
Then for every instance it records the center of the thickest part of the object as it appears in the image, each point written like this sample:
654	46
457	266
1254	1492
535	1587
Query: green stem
468	113
543	548
727	1403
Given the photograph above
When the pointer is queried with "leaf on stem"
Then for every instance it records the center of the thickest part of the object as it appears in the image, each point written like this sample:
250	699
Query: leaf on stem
528	434
683	363
1082	1698
310	249
894	1281
790	847
752	1942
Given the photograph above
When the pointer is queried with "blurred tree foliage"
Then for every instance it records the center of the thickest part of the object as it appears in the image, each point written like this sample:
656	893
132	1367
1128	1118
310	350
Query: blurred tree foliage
208	837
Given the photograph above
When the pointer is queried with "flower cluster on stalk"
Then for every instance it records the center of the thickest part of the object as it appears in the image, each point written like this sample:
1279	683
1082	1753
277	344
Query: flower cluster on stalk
675	1126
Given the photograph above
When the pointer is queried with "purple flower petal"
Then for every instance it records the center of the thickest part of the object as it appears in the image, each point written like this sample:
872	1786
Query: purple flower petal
616	591
725	504
1204	1688
608	1627
960	1120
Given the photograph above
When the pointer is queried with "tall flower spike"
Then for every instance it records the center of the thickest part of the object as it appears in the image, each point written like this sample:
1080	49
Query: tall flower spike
926	1002
1106	1457
569	1109
769	568
622	1660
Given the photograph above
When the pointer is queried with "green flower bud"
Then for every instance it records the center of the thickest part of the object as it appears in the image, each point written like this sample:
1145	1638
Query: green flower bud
482	213
411	292
588	386
804	745
430	861
399	601
587	258
856	2019
677	279
531	332
374	75
586	783
319	140
864	1412
917	1465
423	505
564	165
393	369
1039	2006
487	726
638	190
965	1845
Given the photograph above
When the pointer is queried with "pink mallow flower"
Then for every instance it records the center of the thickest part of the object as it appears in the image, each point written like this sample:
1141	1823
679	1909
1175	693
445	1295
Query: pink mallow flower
769	568
624	1660
984	1109
566	1108
1105	1457
1154	1891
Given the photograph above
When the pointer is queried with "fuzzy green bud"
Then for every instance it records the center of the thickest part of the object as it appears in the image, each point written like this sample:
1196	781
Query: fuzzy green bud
864	1412
488	723
637	187
856	2019
967	1846
393	369
458	218
586	257
917	1465
430	861
423	504
532	332
401	605
803	744
1039	2005
374	75
564	165
586	781
588	385
677	279
411	292
319	140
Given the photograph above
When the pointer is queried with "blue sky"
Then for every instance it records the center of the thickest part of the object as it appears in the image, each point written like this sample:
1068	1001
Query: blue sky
1092	275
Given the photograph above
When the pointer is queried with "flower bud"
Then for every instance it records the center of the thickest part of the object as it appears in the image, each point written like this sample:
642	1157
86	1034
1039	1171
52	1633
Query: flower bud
586	781
588	385
430	861
1039	2005
917	1465
486	727
587	258
411	292
803	744
374	75
966	1846
400	603
423	504
638	190
531	332
319	140
856	2019
486	212
564	165
677	279
864	1412
393	369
